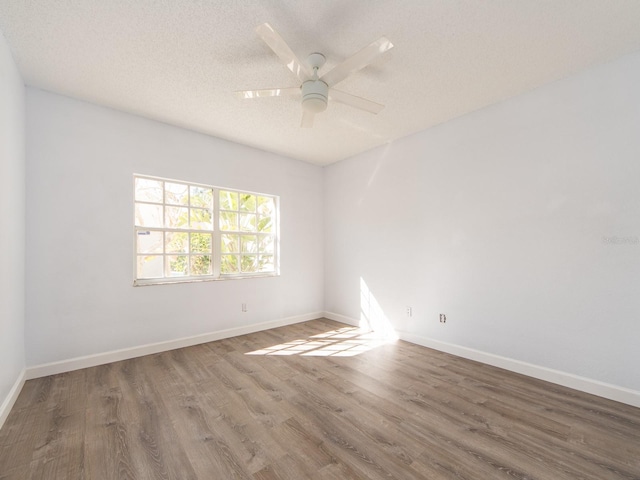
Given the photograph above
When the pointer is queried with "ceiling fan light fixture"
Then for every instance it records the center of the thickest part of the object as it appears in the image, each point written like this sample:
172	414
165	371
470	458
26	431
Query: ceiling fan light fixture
315	94
314	105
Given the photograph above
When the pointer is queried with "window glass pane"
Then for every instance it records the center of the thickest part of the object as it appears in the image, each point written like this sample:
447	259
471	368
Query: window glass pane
228	221
200	243
266	244
247	202
148	190
249	263
229	264
176	217
149	266
229	243
176	193
228	200
266	206
177	265
200	265
247	222
249	244
265	224
148	215
201	219
201	197
176	242
265	263
148	241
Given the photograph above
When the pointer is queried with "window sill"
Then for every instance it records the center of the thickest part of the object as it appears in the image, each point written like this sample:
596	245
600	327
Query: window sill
174	280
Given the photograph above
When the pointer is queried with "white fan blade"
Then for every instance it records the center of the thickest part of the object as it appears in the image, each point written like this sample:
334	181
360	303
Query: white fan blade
357	102
269	92
282	50
354	63
307	119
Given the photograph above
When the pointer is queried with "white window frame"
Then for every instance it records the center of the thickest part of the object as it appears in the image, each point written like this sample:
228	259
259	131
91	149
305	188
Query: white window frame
216	249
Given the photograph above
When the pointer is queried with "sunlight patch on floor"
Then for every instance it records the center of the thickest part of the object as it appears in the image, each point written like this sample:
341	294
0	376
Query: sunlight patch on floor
343	342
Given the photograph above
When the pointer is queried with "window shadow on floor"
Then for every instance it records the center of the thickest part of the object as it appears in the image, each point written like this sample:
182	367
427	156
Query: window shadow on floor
342	342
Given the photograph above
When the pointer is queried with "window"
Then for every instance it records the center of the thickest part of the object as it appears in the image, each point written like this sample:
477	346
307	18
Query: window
188	232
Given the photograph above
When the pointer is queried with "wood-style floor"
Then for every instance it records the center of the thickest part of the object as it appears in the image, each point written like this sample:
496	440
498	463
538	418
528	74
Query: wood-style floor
312	401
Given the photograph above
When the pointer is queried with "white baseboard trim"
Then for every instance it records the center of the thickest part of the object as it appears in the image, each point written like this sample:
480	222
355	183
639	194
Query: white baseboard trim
77	363
8	402
583	384
342	318
595	387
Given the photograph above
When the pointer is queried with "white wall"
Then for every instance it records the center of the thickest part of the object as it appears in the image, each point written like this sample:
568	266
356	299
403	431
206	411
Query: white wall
12	208
499	220
80	298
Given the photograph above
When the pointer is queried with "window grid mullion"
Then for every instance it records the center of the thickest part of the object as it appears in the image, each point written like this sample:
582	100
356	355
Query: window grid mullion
216	239
165	265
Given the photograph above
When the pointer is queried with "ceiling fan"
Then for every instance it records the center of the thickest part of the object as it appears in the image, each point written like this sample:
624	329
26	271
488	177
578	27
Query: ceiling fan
316	91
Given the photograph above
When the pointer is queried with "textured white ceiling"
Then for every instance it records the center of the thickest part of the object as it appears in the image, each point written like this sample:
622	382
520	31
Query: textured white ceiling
180	61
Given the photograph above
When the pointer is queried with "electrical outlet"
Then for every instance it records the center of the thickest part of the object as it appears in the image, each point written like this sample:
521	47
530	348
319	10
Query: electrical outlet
244	307
409	311
443	318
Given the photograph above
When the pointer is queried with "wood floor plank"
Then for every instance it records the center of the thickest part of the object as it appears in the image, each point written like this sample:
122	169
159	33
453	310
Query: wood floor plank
214	449
152	444
316	400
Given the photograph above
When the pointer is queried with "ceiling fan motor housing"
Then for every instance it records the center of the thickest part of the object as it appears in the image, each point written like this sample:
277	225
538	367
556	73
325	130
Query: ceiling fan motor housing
314	96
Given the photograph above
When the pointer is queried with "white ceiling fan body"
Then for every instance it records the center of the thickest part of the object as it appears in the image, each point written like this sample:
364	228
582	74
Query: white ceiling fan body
316	91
